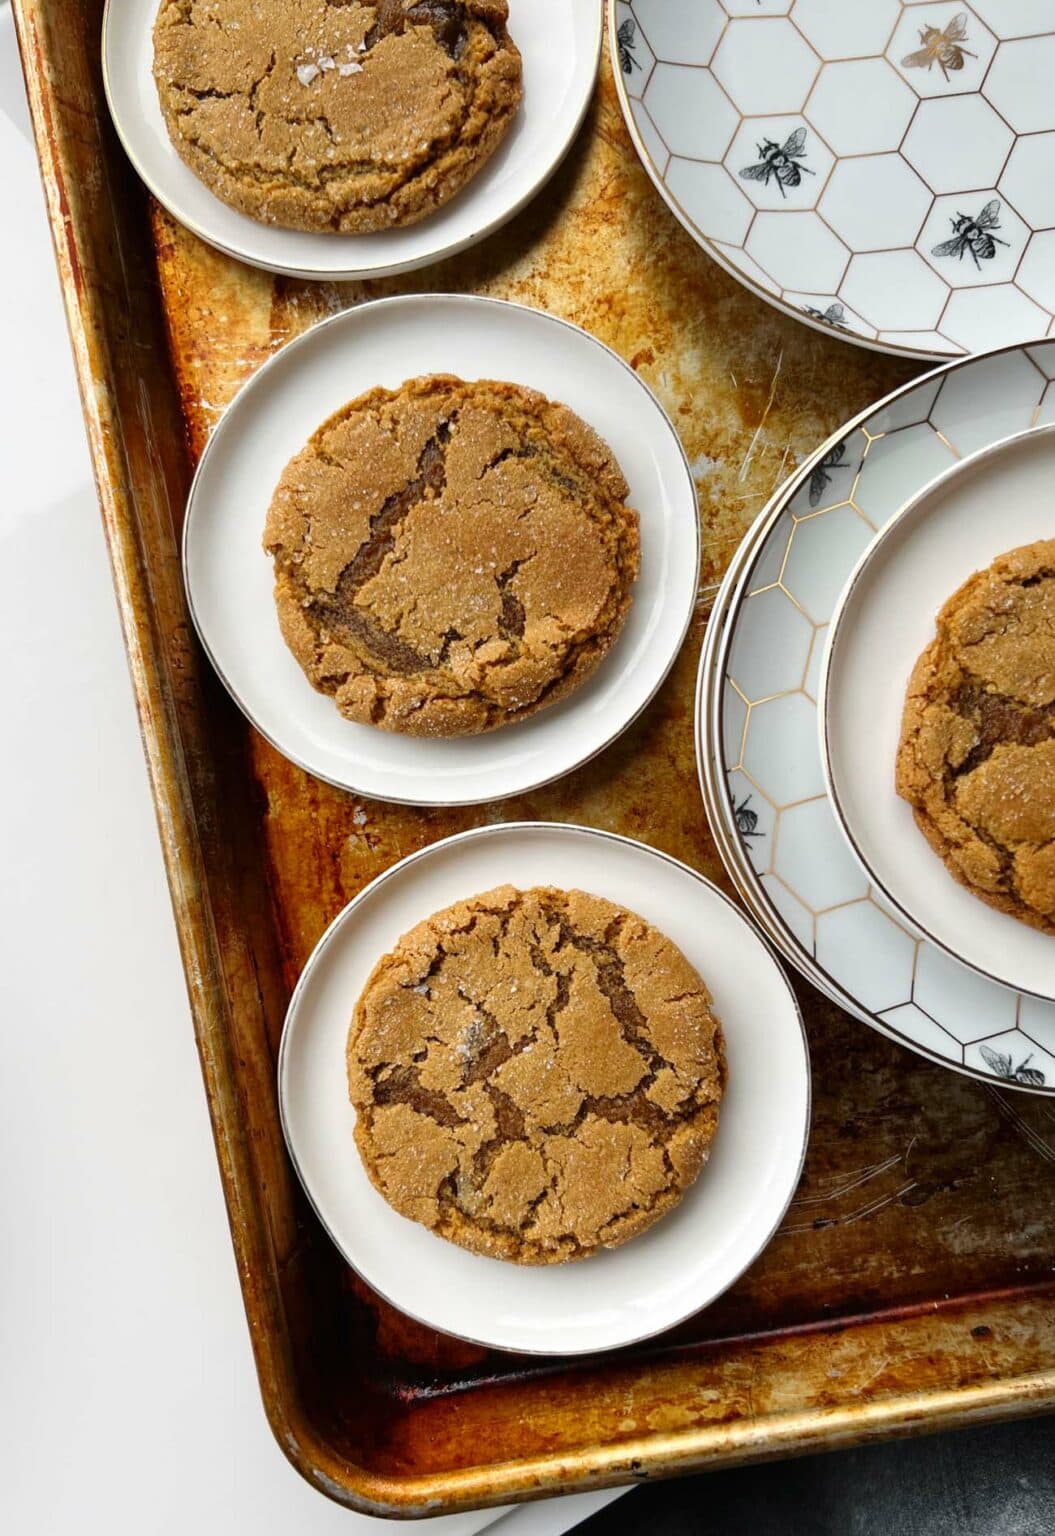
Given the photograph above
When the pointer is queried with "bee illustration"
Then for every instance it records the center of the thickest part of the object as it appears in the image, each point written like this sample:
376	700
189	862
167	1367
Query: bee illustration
625	43
942	48
974	235
834	315
780	161
746	818
821	477
996	1061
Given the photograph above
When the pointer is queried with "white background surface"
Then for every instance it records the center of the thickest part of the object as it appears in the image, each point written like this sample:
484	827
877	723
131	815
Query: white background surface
128	1398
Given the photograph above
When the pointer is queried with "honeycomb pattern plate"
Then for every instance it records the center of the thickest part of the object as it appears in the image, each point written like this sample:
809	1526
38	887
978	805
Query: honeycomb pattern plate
884	168
757	726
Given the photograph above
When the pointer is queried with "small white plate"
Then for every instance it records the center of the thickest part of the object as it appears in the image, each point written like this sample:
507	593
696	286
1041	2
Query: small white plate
230	580
661	1277
996	500
560	41
758	742
897	195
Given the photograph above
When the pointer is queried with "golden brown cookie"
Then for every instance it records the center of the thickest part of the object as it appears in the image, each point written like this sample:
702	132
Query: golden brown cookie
977	754
450	557
332	116
536	1074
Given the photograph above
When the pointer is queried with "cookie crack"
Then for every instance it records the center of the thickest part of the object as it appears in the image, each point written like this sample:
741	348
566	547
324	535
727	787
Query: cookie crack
512	618
446	20
511	1127
488	1046
611	979
560	1001
390	651
526	451
1000	721
635	1208
210	93
254	91
403	1085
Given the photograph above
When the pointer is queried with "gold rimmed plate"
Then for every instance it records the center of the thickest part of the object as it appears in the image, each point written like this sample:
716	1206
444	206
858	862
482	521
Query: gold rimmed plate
757	732
992	501
879	170
230	580
669	1272
559	41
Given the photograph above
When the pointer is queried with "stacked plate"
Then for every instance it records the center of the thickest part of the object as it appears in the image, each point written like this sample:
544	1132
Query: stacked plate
829	601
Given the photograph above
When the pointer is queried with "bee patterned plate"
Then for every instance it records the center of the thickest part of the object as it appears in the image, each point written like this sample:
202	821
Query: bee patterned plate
757	730
883	168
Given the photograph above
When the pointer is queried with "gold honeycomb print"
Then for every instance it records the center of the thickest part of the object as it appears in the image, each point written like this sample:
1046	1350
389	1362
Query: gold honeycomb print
768	754
884	169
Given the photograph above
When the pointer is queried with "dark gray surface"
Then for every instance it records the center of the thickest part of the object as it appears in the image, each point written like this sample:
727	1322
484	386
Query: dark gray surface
997	1481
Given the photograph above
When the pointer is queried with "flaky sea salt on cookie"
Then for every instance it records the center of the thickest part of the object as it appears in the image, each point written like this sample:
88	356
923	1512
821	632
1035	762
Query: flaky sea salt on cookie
451	557
536	1074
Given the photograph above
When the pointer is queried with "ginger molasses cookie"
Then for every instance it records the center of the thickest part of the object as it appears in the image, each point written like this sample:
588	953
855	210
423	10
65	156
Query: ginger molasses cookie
536	1074
450	557
977	754
342	117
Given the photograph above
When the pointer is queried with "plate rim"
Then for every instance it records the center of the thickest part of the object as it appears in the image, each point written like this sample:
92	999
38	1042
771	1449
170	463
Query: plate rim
711	249
707	724
728	850
721	831
349	316
760	911
571	830
761	914
836	627
352	273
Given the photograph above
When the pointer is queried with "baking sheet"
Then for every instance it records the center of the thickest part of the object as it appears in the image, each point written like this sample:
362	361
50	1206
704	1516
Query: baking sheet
910	1285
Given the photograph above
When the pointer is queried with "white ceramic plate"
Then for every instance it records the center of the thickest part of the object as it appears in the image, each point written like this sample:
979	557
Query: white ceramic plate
994	501
560	41
757	733
229	578
669	1272
904	201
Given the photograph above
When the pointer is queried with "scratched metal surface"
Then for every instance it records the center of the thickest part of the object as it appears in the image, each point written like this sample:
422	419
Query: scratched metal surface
911	1283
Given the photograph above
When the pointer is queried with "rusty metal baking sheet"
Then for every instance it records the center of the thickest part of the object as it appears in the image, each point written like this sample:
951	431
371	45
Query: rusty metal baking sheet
911	1283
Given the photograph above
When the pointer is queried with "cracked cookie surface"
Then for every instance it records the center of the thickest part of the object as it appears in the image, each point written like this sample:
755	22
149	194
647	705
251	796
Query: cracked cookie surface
331	115
977	755
536	1074
450	557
